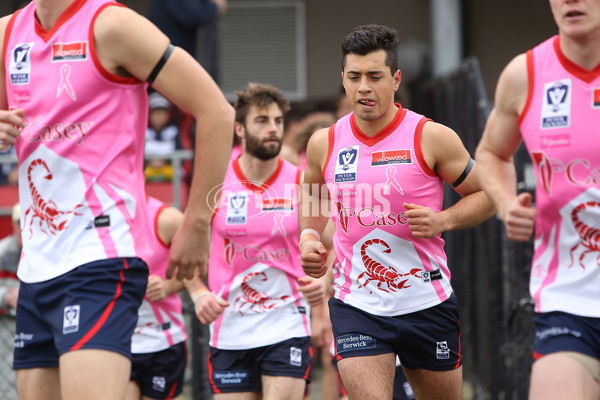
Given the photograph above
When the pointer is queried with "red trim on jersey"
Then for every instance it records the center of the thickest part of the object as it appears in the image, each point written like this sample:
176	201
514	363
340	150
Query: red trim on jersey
574	69
530	84
379	136
331	141
64	17
111	77
7	32
418	150
156	225
250	185
105	314
210	376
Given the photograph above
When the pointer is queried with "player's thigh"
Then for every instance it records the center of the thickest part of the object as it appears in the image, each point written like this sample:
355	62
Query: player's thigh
368	377
443	385
133	391
282	388
38	383
559	376
94	374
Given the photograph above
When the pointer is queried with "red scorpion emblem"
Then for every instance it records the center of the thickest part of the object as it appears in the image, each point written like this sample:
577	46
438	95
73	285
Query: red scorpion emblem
381	273
253	297
590	237
47	211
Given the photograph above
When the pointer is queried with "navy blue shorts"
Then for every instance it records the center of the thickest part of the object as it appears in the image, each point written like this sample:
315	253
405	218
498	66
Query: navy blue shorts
428	339
559	331
234	371
160	375
93	306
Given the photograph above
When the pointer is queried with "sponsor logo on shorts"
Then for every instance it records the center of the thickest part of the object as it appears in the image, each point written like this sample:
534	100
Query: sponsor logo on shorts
71	319
295	356
159	383
354	341
227	378
21	338
430	276
442	352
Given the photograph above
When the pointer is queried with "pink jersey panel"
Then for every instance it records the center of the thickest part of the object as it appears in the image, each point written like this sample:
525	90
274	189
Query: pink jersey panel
380	267
81	152
255	261
160	323
559	129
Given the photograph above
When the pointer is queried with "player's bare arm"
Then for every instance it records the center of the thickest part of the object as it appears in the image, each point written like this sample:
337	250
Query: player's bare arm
9	120
445	154
128	43
501	139
311	217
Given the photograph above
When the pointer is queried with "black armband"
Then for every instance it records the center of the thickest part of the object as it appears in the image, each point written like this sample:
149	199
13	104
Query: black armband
160	64
464	174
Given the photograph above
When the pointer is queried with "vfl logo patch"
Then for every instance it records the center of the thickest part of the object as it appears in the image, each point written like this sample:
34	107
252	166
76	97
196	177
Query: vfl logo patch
74	51
430	276
596	98
391	157
442	352
19	68
71	319
346	165
159	383
556	107
354	341
295	356
237	208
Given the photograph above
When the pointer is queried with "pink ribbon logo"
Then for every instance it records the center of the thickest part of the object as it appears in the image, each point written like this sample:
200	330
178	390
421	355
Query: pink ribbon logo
390	173
65	83
278	225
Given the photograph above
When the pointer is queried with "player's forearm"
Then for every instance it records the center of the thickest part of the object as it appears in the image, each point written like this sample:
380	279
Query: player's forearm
469	211
213	152
312	214
497	178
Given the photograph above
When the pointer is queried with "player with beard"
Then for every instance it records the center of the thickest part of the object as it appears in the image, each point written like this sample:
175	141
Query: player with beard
259	300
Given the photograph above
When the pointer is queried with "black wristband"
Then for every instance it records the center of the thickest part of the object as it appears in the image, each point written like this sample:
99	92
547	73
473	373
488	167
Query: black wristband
160	64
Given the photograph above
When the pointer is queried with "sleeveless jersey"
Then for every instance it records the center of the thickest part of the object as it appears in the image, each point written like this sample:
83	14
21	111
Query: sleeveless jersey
81	151
160	323
558	124
255	261
380	268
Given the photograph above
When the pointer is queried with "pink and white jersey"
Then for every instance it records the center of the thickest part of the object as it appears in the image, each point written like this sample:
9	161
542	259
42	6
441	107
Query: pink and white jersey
255	261
558	124
81	152
380	267
160	323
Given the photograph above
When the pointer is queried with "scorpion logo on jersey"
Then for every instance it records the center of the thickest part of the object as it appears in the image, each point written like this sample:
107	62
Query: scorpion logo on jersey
384	275
590	237
47	211
255	298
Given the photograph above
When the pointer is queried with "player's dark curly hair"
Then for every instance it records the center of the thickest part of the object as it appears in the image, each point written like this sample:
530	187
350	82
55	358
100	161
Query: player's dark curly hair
260	95
365	39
